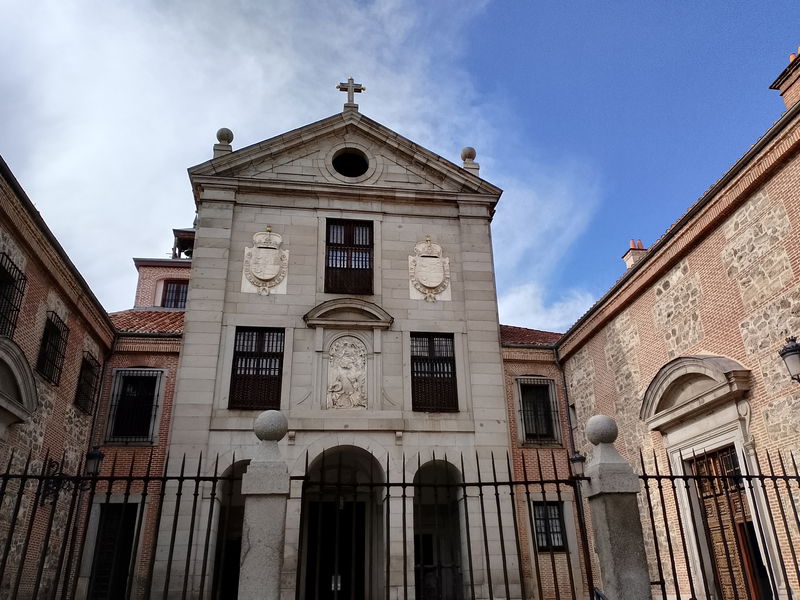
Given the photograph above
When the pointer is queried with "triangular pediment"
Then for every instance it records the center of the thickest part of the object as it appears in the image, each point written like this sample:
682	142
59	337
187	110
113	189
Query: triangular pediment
306	156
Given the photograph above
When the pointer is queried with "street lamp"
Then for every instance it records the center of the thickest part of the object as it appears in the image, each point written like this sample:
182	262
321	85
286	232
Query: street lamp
577	461
93	460
56	481
790	354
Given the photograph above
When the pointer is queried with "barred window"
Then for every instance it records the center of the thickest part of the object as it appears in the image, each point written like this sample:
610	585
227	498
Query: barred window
433	373
174	295
257	368
88	380
348	257
538	411
134	405
52	348
548	518
12	287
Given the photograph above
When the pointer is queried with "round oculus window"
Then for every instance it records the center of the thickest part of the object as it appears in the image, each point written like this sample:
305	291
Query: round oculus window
350	162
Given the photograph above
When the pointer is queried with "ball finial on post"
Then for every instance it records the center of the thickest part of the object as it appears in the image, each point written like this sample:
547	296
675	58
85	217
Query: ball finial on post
601	429
224	136
271	426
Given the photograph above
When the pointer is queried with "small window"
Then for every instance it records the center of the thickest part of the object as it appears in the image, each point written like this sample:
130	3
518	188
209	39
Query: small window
88	380
174	295
12	287
134	405
548	518
52	348
348	257
257	369
538	411
433	373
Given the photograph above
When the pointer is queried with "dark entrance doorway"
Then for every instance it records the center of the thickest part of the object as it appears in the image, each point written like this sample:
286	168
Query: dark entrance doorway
739	569
437	533
229	534
342	527
338	557
113	550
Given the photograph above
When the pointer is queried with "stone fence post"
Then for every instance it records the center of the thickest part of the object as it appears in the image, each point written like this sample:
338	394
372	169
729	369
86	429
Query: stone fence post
265	487
616	524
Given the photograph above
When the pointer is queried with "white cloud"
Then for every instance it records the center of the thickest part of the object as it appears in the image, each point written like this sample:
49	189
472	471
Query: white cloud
527	305
106	104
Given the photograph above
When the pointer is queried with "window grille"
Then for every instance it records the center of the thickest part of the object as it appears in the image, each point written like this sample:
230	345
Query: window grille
134	405
433	373
52	348
174	295
12	287
257	368
538	411
548	518
88	380
348	257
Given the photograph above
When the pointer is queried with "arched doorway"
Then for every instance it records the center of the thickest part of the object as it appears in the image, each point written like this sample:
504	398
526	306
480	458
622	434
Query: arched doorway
700	405
229	533
437	532
342	527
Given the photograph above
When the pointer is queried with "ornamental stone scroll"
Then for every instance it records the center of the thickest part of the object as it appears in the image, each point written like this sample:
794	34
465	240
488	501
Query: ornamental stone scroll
266	265
429	272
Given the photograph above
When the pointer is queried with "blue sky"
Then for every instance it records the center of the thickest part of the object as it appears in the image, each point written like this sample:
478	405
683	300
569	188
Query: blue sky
601	121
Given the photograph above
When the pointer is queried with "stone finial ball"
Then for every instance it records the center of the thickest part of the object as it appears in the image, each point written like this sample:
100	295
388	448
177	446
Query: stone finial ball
271	426
468	153
601	429
225	136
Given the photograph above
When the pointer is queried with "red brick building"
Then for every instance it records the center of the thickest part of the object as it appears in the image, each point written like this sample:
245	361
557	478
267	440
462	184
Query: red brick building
55	340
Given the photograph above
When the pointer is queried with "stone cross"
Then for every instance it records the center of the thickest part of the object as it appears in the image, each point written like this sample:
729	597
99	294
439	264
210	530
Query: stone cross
352	89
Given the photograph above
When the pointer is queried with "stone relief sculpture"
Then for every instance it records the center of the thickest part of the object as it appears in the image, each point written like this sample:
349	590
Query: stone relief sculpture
347	374
429	272
265	265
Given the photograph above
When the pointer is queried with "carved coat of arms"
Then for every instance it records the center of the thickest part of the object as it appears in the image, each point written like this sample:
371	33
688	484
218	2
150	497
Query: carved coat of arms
266	264
429	271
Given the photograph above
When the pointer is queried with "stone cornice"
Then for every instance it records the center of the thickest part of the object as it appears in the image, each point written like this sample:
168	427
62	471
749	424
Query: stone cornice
148	344
750	172
527	354
41	245
327	190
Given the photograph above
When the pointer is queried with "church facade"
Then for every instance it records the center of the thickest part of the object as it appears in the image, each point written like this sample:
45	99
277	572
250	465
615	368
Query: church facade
342	275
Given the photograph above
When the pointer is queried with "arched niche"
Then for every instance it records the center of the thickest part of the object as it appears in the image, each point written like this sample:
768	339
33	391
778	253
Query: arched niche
362	323
690	386
18	397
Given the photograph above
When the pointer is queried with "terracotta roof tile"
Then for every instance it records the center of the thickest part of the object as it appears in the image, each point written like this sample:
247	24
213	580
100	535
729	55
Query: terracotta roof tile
148	321
522	335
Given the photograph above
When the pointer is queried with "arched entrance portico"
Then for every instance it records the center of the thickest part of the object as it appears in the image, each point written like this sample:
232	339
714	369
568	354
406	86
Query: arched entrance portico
341	532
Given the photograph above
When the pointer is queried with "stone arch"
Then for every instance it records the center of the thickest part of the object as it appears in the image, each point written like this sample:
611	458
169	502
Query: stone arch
18	395
313	452
341	537
438	531
690	385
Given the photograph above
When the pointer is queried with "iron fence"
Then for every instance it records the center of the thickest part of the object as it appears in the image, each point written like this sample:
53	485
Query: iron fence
461	529
109	536
445	529
722	525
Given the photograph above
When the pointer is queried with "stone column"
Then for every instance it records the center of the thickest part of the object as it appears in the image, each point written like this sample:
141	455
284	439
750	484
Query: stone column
265	487
616	524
